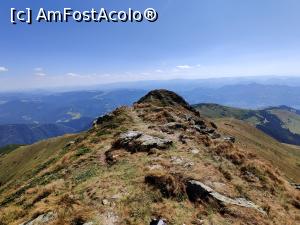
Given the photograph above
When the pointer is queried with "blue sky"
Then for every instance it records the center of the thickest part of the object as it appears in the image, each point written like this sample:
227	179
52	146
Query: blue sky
191	39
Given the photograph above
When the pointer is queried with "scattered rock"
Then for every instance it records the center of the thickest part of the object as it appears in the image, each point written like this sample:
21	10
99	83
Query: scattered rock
198	191
188	118
195	151
89	223
182	138
188	165
41	219
297	186
250	177
181	161
202	129
130	135
177	160
199	222
296	203
213	125
154	167
215	135
199	122
158	222
110	218
105	202
175	126
112	156
230	139
135	141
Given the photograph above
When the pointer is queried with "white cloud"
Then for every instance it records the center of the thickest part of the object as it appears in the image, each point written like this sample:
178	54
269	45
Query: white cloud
73	75
40	74
159	71
3	69
184	67
38	69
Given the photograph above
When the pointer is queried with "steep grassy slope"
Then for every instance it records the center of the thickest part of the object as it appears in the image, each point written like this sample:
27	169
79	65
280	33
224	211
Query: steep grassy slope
25	159
281	123
145	162
8	148
285	157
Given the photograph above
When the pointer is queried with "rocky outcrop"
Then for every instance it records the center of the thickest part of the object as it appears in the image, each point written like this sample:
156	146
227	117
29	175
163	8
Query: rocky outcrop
175	126
204	130
198	191
136	141
41	219
230	139
174	186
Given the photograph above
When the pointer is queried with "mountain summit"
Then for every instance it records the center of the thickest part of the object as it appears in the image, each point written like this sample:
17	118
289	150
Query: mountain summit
162	97
157	162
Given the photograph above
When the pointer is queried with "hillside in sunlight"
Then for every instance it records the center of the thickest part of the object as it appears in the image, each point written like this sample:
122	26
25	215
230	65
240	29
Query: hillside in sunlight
157	162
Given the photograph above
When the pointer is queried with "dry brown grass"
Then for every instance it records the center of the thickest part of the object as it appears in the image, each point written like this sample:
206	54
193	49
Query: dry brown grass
75	184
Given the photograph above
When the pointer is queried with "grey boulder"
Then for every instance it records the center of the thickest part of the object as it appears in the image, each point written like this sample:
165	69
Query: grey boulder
136	141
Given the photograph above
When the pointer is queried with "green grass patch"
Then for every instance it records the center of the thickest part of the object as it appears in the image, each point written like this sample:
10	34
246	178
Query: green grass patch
85	175
82	151
9	148
103	132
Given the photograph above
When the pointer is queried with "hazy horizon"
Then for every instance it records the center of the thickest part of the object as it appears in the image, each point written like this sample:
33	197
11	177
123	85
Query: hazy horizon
184	84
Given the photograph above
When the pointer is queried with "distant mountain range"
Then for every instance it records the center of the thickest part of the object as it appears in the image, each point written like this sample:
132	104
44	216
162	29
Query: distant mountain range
40	108
29	133
28	115
281	123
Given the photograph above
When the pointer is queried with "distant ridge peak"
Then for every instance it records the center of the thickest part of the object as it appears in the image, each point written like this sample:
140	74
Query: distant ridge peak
163	97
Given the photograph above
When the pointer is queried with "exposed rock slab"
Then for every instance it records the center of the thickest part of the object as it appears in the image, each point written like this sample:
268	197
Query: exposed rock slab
41	219
198	191
136	141
230	139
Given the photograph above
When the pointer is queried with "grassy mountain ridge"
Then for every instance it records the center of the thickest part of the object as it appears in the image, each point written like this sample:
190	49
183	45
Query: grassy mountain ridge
281	123
78	108
143	162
